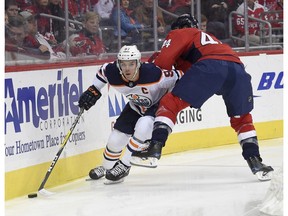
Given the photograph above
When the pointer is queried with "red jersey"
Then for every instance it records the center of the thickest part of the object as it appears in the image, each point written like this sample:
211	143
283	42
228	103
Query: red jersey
44	24
184	47
276	15
83	44
31	41
253	26
77	8
268	4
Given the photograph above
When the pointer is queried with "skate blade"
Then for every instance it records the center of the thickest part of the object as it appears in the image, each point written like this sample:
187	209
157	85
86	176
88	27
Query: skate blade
149	162
264	176
90	179
109	182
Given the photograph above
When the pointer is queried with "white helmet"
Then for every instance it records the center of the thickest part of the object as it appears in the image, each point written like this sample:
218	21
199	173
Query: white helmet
129	53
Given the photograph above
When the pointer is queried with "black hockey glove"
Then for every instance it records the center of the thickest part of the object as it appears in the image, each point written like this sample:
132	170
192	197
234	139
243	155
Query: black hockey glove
89	97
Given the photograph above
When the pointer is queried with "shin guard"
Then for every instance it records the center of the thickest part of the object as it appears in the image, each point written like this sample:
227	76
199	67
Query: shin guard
243	126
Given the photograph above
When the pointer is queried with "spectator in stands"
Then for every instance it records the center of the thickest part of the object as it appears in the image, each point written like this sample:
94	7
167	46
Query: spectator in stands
203	26
268	4
216	12
134	4
14	42
279	15
278	6
233	5
129	26
274	15
58	26
44	25
254	10
36	40
77	8
178	7
144	15
24	4
203	23
15	33
11	8
104	9
87	41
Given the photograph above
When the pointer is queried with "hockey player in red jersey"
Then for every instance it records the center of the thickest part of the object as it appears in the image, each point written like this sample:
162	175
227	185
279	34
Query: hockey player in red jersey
143	84
209	67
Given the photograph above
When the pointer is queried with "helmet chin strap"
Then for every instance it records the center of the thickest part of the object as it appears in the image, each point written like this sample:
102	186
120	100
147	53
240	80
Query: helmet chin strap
135	73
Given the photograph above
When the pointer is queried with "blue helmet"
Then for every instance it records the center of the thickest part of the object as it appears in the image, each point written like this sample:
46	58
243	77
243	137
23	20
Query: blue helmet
185	21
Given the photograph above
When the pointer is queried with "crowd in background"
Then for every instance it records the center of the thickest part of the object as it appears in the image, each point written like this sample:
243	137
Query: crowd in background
93	24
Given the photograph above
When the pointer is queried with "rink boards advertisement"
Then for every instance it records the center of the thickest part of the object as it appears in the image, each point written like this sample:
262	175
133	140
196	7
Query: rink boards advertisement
39	113
41	105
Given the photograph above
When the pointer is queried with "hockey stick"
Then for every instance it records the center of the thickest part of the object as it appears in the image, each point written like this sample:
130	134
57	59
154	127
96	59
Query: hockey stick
41	189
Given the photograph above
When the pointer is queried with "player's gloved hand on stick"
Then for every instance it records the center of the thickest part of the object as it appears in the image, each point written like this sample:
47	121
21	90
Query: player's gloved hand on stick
89	97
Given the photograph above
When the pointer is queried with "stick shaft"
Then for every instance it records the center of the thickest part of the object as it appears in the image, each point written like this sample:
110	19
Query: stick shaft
63	144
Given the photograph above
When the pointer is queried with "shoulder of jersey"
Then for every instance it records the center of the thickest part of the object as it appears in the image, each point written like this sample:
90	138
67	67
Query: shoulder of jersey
110	66
112	73
149	73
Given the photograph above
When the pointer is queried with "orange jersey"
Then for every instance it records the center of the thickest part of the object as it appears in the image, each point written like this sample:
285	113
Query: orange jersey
184	47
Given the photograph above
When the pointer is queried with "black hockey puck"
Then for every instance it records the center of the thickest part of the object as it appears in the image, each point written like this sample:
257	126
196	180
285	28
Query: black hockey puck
32	195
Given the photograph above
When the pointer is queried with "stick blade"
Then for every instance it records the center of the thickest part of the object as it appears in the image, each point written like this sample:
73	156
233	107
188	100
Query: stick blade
45	192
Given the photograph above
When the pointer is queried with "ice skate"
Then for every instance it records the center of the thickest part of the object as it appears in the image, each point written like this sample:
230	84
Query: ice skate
149	162
149	157
97	173
117	173
263	172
